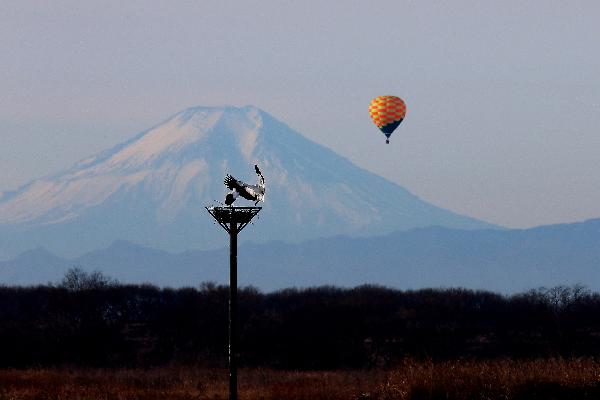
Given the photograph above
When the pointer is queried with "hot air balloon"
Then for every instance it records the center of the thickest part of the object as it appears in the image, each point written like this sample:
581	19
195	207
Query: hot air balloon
387	112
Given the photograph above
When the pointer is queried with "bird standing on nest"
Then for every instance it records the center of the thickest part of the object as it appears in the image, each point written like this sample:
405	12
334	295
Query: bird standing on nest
254	193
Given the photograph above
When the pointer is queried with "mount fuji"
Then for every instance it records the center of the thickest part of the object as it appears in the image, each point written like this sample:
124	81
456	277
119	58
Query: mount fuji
152	190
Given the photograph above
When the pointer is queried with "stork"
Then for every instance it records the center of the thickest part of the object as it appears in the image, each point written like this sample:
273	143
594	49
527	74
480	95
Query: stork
254	193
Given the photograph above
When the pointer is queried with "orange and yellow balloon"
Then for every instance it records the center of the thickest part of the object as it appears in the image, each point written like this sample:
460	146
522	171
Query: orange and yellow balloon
387	112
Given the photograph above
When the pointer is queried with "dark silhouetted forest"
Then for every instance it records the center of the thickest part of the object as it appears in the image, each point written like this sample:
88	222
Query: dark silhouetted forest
91	320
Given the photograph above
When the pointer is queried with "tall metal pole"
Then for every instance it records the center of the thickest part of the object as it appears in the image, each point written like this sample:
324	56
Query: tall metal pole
233	220
233	231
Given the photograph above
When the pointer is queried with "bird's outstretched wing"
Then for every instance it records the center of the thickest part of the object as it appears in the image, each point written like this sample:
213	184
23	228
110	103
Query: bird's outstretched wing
233	183
249	192
261	181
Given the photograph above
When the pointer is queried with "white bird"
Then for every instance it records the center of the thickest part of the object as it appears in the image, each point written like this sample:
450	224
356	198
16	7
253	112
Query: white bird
254	193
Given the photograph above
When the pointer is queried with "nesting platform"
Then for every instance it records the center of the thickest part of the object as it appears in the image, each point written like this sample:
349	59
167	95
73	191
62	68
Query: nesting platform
233	217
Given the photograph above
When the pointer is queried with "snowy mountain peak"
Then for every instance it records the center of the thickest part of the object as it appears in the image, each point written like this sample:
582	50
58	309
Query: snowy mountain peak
152	188
175	135
169	138
167	158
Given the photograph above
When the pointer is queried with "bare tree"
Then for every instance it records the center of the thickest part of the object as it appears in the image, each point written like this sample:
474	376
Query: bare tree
76	279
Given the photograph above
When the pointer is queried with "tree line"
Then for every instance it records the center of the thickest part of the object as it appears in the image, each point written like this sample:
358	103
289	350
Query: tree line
89	319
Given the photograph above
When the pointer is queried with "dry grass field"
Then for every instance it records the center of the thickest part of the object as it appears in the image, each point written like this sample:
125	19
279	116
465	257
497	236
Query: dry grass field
464	380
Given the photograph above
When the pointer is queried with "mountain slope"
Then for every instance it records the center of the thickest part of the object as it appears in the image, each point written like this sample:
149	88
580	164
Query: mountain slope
500	260
153	188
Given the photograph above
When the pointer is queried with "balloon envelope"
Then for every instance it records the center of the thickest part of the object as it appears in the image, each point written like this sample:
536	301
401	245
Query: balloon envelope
387	112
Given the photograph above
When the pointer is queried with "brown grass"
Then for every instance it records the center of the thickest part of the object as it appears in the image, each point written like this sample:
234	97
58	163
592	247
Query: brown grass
457	380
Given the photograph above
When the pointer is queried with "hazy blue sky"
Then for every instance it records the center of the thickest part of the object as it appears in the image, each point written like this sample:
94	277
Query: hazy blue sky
503	97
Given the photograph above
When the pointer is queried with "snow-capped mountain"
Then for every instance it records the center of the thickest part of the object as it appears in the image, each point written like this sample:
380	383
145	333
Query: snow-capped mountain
153	188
